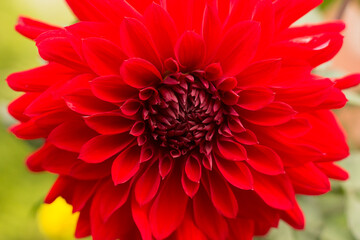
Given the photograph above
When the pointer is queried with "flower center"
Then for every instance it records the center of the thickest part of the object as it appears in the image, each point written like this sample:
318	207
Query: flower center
184	113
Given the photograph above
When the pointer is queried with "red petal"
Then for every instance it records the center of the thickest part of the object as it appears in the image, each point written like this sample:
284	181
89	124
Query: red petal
168	209
193	169
296	127
75	192
190	50
140	73
141	5
71	135
166	163
112	198
236	173
147	186
138	128
255	98
294	10
210	29
162	29
207	218
222	195
17	107
103	147
235	125
86	11
308	179
55	46
112	89
259	73
84	103
83	223
131	107
188	230
137	42
238	47
275	113
39	79
103	56
187	14
126	165
109	123
264	160
148	151
246	137
52	159
307	30
333	171
190	187
226	84
242	228
294	217
31	28
229	98
276	191
140	216
231	150
335	147
348	81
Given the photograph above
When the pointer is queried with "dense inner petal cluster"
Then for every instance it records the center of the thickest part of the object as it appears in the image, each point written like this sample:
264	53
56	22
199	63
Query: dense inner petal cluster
184	113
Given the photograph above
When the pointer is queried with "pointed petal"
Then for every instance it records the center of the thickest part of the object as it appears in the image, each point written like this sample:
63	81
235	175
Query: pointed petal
139	73
236	173
238	47
126	165
162	29
264	160
112	198
102	147
207	218
71	135
231	150
31	28
137	42
275	113
103	56
109	123
147	186
222	195
190	50
276	191
168	209
112	89
309	180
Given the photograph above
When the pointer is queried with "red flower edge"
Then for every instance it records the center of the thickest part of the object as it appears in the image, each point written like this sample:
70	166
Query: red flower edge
183	119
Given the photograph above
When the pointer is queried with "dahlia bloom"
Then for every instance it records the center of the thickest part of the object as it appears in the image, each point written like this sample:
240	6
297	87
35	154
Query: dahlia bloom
191	119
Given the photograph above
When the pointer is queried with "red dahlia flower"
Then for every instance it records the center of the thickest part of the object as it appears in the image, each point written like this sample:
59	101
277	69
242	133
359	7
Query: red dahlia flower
188	119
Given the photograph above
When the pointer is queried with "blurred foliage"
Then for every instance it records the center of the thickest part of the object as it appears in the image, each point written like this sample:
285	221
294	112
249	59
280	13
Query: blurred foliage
329	3
334	216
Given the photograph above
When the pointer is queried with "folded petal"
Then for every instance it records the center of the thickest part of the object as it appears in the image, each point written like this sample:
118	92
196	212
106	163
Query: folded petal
139	73
126	165
190	50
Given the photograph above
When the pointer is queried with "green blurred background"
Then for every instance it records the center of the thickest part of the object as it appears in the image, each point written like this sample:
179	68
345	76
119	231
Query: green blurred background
334	216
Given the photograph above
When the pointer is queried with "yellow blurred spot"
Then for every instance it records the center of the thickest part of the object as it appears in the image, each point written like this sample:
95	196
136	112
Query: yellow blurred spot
56	220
